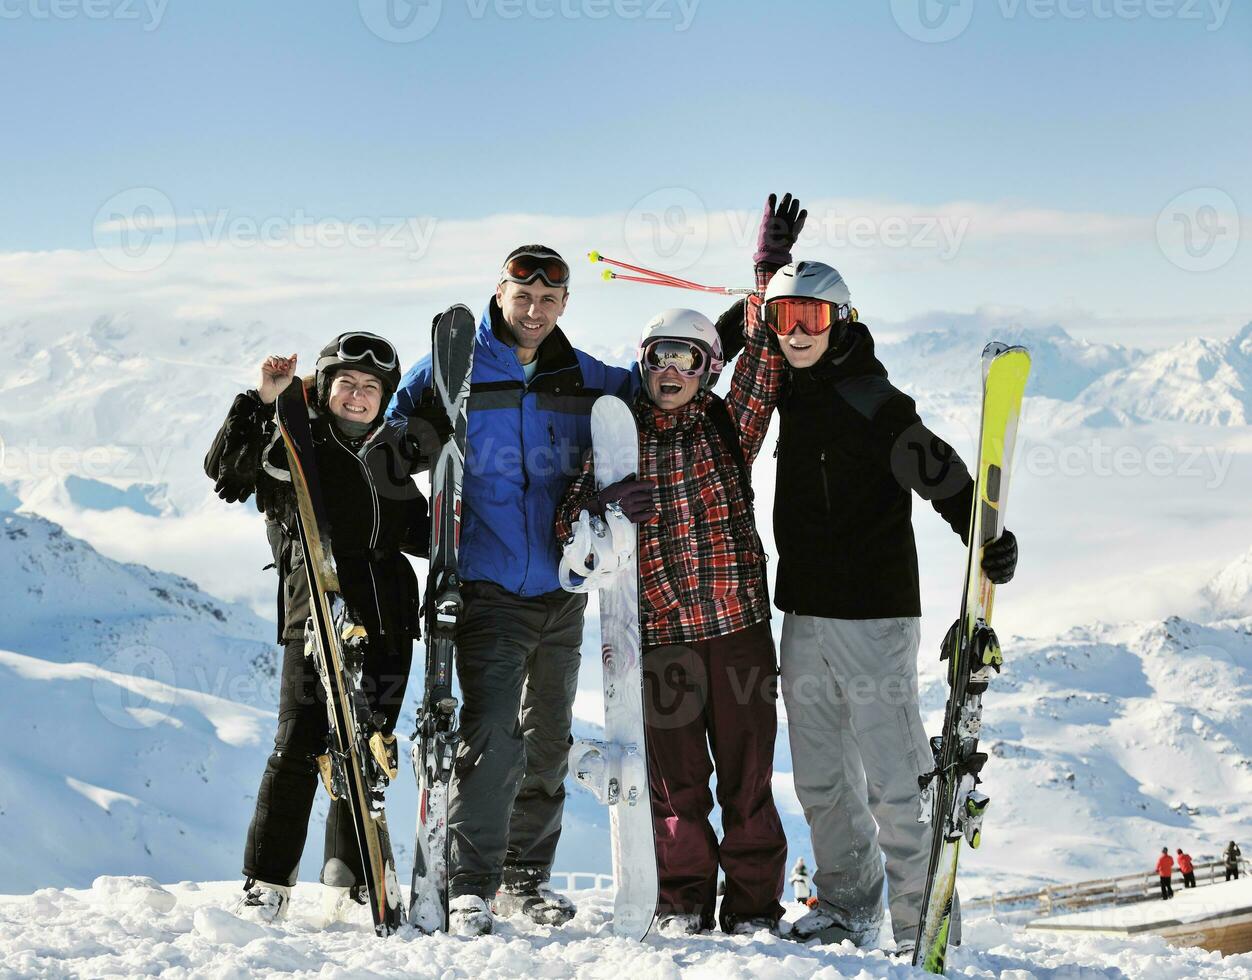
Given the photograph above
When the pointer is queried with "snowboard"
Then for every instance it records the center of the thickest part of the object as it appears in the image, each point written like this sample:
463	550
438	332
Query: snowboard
615	769
435	741
337	645
956	806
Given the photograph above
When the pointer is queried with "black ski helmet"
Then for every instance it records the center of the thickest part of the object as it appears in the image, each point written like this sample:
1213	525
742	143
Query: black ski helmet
360	351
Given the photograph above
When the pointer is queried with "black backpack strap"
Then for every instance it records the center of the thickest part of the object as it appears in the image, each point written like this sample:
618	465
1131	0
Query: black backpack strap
719	415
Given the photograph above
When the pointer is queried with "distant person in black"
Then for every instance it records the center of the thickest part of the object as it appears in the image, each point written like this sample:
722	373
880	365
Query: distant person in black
1232	855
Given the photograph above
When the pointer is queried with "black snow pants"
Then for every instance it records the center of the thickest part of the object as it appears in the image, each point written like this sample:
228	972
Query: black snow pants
289	783
517	662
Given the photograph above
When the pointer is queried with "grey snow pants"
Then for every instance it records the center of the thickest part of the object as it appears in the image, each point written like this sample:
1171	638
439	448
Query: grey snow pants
857	748
517	662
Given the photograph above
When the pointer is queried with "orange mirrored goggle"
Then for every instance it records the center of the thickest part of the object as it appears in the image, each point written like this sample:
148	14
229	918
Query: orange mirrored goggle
813	316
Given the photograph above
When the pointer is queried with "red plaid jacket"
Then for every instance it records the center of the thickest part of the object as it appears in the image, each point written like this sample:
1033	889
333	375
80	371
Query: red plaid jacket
701	563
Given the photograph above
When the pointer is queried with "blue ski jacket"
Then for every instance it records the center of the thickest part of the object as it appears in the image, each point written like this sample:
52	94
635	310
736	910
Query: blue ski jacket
525	444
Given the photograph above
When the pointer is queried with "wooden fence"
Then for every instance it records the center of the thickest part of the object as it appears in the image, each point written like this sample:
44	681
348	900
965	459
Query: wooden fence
1098	891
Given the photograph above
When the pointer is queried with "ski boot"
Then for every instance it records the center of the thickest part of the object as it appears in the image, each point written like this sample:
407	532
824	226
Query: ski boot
263	903
470	915
541	905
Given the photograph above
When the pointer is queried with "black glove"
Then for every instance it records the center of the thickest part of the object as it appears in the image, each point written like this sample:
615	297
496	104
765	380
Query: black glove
999	559
637	498
436	424
426	437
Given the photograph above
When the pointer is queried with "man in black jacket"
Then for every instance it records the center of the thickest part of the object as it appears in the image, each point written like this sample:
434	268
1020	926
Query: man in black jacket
852	451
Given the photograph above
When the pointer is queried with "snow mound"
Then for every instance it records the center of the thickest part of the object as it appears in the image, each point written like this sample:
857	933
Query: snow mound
132	892
64	934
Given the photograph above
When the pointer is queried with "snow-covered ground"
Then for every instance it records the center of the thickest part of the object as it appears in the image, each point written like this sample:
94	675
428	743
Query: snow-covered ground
134	927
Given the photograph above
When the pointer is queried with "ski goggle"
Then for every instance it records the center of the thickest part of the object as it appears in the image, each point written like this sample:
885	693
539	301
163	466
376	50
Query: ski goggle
688	359
528	267
368	346
813	316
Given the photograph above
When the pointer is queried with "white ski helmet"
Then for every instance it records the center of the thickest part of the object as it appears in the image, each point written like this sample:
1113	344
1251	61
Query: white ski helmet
811	280
689	325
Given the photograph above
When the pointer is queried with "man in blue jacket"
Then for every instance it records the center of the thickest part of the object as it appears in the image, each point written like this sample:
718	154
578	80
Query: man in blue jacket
518	646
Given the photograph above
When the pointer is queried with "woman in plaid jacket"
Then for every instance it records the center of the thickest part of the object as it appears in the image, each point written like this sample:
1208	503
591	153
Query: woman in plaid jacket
709	662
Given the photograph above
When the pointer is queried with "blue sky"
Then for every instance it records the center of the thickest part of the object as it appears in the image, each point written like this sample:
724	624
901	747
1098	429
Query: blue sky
547	107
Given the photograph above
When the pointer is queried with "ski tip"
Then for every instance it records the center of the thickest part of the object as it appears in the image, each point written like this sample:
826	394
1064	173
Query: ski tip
593	255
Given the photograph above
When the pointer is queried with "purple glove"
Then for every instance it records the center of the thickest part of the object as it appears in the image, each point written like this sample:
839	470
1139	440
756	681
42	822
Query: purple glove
780	227
637	498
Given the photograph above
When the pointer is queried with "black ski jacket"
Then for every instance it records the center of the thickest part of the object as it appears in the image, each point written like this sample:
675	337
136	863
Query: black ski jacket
373	505
851	452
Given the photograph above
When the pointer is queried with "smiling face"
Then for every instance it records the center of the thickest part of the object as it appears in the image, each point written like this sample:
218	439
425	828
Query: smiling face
801	350
670	391
531	311
355	395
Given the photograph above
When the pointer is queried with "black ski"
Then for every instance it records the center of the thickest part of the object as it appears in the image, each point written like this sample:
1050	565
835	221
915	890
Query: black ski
435	741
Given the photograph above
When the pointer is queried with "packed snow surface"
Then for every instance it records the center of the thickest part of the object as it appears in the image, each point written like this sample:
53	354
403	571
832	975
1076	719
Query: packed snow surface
134	927
1187	905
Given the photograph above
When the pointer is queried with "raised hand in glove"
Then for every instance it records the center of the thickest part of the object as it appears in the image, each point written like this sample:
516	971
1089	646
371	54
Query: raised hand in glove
780	227
637	499
999	559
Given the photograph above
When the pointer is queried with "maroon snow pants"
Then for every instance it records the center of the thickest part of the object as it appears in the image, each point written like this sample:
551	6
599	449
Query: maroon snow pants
717	694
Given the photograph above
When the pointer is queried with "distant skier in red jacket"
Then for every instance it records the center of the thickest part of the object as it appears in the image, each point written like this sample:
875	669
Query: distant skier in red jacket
1165	868
1186	868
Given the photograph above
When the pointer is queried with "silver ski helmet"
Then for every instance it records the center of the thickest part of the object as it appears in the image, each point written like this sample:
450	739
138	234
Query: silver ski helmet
360	351
689	326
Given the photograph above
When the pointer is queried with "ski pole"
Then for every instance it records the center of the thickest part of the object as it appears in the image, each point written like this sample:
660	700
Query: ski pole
653	278
609	275
597	257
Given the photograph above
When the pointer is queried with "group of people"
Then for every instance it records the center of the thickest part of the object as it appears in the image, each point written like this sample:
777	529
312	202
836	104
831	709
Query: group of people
851	453
1186	867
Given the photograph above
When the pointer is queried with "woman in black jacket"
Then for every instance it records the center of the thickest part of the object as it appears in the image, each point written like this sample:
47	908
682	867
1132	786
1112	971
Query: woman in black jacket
375	512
